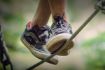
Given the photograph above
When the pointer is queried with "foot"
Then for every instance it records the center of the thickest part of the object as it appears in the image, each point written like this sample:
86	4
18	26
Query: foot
61	32
34	38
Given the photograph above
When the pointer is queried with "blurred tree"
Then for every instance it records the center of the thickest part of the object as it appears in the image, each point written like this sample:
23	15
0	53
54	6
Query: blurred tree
10	21
95	59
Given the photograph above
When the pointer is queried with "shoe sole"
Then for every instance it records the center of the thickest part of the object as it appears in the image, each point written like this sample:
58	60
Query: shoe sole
55	42
35	54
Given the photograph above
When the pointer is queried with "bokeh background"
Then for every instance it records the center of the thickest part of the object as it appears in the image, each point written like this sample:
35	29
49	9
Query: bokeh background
89	49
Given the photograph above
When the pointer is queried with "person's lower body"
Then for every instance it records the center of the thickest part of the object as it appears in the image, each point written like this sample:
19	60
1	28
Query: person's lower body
37	33
61	29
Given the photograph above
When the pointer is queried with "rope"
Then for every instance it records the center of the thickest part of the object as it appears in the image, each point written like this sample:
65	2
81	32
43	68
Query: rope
67	42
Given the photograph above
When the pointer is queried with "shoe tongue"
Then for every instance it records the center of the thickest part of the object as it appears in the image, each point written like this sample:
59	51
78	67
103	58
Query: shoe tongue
58	18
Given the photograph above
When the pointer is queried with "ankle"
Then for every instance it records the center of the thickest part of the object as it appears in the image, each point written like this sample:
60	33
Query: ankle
58	17
32	24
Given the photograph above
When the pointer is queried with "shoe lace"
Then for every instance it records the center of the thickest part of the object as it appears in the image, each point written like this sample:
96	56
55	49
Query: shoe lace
44	34
59	25
59	21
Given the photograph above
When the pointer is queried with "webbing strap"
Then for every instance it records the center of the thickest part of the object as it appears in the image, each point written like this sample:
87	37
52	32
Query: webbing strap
4	58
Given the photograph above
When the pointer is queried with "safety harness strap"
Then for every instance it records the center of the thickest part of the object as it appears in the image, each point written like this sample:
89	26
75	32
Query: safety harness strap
4	58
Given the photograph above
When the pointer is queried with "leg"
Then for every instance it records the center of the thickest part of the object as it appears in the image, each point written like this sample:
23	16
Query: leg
42	14
60	28
37	33
58	7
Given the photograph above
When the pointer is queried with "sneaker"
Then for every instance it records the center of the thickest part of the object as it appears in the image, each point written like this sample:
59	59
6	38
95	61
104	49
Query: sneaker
61	32
34	38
